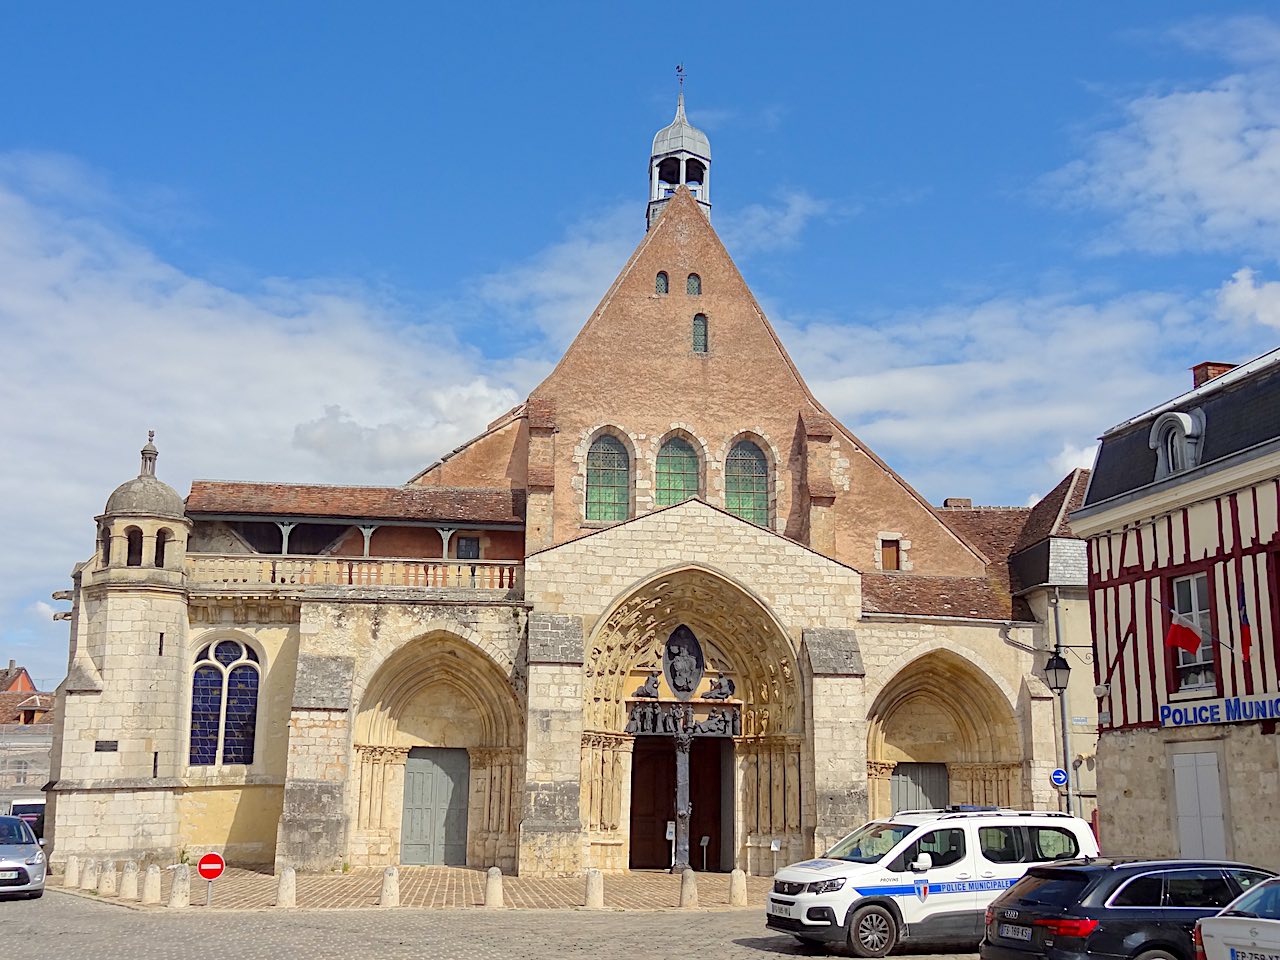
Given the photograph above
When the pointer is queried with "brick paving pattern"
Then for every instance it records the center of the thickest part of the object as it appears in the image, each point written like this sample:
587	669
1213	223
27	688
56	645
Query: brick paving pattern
64	926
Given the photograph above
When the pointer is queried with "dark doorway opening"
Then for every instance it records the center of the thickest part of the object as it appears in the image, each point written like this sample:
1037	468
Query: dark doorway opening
653	801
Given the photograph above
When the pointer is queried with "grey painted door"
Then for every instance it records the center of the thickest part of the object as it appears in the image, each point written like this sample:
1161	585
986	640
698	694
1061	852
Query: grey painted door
919	786
434	830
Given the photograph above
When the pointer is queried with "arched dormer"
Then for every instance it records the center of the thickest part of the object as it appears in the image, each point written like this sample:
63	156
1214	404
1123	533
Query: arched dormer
1176	438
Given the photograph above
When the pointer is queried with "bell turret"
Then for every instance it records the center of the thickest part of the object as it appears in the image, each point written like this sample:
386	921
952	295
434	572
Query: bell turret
681	157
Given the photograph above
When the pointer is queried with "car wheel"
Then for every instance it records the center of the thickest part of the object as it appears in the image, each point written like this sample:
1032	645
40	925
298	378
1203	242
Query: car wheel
872	931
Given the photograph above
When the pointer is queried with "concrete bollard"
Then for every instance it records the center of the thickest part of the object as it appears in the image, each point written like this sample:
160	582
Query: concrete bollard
287	888
180	895
129	881
688	889
390	888
738	889
72	876
594	899
493	889
89	875
151	885
107	883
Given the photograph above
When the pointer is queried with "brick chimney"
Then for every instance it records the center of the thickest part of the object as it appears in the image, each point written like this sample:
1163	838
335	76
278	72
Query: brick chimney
958	503
1202	373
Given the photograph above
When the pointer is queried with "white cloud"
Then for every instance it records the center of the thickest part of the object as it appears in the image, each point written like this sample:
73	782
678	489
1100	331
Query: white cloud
761	227
1192	169
1074	457
1243	299
42	609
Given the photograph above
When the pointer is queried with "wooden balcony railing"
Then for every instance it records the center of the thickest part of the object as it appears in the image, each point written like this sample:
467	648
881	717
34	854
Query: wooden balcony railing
495	576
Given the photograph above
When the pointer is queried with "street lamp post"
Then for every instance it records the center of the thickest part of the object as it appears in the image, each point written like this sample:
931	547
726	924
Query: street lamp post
1056	673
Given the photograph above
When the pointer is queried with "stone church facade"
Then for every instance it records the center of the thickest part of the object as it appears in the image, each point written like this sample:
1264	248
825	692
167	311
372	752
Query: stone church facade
669	569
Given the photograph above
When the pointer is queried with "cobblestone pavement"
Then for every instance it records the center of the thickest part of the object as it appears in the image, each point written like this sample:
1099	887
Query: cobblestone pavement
458	887
60	925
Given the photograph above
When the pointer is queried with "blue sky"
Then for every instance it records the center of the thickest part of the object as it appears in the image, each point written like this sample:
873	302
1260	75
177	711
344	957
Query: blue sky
326	242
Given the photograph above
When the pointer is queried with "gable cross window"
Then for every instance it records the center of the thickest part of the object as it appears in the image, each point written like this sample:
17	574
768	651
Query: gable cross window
608	480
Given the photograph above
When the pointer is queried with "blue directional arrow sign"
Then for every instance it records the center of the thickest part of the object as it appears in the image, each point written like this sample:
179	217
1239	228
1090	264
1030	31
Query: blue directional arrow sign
1058	778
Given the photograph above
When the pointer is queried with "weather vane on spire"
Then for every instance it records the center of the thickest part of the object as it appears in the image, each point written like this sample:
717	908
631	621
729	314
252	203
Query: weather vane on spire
680	75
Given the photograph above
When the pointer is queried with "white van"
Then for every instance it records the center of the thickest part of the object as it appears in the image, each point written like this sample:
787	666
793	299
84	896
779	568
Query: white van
920	876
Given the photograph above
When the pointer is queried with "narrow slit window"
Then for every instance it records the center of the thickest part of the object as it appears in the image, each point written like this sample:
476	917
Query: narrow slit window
700	333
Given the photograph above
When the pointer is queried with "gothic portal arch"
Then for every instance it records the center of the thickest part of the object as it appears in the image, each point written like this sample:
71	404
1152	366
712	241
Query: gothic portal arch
759	759
942	725
442	703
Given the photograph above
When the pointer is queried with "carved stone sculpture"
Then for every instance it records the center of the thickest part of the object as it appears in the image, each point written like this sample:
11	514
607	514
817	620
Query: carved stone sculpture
649	689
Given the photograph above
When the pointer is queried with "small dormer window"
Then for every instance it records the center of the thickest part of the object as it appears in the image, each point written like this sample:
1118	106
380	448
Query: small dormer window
661	284
1176	438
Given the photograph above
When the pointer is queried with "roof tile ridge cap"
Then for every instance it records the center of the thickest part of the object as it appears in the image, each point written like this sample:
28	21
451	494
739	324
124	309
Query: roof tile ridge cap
309	485
606	300
1061	518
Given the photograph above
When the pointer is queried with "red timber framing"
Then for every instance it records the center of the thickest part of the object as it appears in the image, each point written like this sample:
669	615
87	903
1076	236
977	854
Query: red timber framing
1131	571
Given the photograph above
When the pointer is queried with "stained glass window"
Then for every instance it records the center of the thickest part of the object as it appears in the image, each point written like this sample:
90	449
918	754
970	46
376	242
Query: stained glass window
700	334
746	483
224	704
693	286
677	472
608	480
660	285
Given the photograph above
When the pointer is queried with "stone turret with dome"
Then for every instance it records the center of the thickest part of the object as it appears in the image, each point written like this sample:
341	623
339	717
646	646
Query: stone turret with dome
146	494
681	157
142	518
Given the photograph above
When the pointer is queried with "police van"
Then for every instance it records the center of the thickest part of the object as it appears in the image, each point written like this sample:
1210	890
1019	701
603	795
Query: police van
920	876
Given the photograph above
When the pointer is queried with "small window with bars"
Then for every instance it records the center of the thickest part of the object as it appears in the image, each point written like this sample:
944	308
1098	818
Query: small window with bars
700	333
661	285
608	480
693	285
1191	600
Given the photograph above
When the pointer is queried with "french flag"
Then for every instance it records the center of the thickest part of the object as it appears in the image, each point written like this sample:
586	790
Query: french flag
1183	634
1246	633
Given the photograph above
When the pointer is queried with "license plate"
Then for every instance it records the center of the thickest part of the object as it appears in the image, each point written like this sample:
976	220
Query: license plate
1012	931
8	874
1252	955
782	909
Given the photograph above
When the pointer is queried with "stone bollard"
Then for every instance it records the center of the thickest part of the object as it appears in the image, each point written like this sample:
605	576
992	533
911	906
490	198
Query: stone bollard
287	888
594	899
688	889
129	881
180	895
493	888
72	876
737	889
390	888
89	875
151	885
107	885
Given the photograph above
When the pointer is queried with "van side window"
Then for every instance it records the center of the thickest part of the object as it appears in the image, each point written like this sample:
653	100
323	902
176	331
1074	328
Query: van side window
1052	843
944	847
1002	844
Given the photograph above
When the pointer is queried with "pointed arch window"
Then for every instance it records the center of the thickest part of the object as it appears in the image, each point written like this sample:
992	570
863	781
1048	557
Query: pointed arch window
700	333
608	480
746	483
224	704
661	284
693	285
678	472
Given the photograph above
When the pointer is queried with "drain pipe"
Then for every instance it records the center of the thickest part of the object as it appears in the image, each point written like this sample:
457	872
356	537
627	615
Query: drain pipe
1062	697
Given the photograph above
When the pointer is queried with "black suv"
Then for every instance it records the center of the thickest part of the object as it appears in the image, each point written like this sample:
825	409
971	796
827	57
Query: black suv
1130	908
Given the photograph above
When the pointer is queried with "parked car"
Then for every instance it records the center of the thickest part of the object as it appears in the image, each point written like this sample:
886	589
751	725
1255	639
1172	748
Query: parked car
1248	929
22	864
922	876
1111	908
30	809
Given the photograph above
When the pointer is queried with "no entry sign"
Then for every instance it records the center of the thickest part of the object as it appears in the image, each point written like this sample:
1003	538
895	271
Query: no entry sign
211	866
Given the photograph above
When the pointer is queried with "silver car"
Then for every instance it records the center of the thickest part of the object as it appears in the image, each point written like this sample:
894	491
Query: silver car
22	863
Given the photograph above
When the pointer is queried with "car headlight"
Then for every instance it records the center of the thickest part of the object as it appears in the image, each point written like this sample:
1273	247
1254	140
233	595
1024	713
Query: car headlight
38	858
826	886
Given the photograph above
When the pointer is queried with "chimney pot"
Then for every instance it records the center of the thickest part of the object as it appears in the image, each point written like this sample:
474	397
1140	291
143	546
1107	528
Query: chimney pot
13	664
961	502
1202	373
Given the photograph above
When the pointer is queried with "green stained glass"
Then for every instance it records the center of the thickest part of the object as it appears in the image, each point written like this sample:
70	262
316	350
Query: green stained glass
746	483
677	472
608	480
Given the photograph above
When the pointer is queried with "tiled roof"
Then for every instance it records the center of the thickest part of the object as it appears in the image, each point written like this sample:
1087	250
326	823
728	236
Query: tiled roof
1049	516
982	598
993	529
477	505
12	705
9	676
